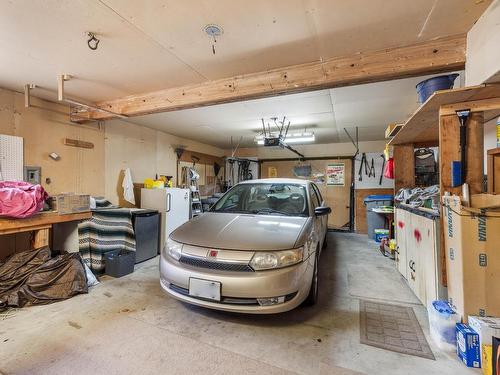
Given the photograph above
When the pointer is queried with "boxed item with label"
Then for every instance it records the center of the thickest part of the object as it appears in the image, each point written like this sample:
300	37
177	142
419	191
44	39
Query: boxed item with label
69	203
468	346
486	328
472	235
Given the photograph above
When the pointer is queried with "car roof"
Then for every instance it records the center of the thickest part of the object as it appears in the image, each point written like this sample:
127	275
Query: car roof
277	181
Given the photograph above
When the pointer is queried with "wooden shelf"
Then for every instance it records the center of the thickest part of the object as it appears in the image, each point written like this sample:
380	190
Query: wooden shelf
423	125
43	220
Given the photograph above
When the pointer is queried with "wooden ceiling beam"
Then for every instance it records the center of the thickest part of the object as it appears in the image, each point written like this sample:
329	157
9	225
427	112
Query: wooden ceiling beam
435	56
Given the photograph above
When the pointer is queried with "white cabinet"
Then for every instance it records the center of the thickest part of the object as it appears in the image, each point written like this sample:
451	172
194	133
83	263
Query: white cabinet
400	220
417	256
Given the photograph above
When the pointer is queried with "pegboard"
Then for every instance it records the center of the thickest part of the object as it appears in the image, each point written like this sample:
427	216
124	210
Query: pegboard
11	158
371	182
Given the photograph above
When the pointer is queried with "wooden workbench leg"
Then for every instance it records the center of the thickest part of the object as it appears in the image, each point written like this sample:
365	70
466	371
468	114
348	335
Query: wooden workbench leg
40	238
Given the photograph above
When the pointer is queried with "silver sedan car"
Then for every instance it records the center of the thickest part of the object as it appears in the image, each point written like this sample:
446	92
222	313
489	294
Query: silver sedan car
255	251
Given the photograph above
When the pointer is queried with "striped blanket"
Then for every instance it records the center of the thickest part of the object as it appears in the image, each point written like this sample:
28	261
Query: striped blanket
108	229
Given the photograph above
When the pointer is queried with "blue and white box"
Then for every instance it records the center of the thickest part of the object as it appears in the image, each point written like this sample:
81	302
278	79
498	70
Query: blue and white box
468	346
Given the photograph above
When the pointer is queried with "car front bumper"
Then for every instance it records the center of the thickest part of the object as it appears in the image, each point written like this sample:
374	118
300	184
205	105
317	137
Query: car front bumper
240	290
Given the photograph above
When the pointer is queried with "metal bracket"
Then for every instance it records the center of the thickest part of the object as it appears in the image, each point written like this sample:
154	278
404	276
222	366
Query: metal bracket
61	78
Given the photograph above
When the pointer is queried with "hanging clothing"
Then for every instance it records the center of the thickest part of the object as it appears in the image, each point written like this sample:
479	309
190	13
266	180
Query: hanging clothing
128	187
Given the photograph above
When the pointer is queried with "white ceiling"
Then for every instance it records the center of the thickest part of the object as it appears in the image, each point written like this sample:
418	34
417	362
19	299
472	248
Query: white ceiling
371	107
155	44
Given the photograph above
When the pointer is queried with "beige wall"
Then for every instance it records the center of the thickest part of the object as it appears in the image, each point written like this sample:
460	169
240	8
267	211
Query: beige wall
145	151
97	171
483	51
315	150
44	128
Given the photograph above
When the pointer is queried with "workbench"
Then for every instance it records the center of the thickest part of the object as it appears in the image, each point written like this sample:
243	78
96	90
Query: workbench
40	224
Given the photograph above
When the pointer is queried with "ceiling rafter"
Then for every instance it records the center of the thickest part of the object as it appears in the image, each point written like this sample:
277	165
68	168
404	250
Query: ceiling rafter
440	55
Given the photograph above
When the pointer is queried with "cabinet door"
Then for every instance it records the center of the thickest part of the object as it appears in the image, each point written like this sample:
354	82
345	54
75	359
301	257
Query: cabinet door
400	224
412	253
430	260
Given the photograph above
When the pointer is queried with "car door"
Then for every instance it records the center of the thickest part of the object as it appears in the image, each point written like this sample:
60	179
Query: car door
319	221
324	218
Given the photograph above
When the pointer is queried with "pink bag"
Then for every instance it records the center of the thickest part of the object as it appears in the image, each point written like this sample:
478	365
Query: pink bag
21	199
389	169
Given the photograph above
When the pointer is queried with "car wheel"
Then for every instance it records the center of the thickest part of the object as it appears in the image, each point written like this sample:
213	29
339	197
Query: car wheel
312	297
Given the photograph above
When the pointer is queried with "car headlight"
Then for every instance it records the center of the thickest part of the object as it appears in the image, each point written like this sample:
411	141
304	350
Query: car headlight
174	249
263	260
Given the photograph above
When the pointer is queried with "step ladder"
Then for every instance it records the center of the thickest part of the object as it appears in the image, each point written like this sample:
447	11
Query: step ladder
190	180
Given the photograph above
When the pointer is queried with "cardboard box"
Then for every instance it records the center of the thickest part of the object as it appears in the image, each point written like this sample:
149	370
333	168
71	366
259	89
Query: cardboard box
472	238
70	203
486	328
468	348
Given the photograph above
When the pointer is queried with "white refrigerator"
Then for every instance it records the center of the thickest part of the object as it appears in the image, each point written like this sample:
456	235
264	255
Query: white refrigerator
173	205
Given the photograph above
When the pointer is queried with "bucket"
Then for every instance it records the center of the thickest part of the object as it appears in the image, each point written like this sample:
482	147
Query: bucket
426	88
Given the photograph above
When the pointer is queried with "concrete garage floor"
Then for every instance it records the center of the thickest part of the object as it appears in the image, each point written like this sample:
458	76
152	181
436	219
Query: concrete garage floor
128	326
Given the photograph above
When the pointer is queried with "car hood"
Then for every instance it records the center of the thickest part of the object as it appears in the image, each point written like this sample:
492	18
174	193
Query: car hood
241	231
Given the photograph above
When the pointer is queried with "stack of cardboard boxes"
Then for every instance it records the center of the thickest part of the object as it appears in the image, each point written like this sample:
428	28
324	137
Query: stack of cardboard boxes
472	245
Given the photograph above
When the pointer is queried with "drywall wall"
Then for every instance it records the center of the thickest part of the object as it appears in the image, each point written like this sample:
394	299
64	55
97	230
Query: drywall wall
145	151
44	126
490	140
97	171
310	151
483	52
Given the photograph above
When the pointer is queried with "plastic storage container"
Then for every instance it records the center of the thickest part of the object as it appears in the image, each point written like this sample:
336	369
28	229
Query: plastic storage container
373	219
442	324
381	233
426	88
119	262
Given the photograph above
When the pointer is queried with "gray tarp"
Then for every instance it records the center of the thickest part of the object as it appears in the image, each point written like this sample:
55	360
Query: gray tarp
32	277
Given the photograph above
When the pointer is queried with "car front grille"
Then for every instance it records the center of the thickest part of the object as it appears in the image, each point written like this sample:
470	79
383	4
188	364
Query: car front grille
227	300
215	264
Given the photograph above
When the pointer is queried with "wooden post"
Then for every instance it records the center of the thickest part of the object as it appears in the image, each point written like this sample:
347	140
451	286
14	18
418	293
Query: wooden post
40	238
449	150
404	166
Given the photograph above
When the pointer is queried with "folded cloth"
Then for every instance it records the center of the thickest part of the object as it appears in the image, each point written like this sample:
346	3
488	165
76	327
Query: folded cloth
21	199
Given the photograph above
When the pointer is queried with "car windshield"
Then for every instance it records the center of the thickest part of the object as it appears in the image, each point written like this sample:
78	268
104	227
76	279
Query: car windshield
265	199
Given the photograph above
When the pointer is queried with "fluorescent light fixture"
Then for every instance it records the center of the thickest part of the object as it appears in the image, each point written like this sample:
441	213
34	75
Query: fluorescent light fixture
291	138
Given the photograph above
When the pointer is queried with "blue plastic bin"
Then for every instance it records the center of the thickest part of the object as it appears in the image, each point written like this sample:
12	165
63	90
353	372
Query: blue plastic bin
426	88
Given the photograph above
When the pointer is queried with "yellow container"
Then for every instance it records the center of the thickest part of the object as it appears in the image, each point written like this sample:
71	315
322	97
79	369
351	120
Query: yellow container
486	360
148	183
158	184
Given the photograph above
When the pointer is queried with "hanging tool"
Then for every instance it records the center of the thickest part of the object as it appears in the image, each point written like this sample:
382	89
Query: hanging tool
363	162
372	169
382	170
463	116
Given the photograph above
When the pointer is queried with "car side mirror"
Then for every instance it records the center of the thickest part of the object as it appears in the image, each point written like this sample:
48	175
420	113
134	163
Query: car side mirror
320	211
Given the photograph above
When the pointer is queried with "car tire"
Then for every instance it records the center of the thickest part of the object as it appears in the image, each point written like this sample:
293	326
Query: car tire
312	297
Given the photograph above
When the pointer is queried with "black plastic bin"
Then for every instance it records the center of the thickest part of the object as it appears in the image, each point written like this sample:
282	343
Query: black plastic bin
119	262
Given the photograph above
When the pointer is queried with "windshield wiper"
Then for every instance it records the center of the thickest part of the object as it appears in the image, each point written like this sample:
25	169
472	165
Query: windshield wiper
270	211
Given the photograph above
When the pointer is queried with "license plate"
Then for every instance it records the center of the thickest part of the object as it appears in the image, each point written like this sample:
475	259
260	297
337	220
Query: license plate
204	289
